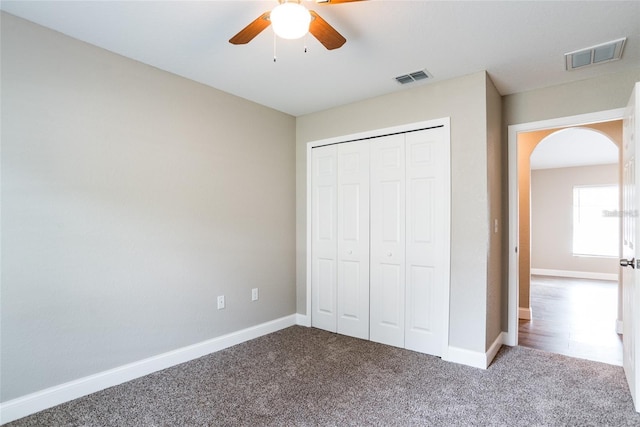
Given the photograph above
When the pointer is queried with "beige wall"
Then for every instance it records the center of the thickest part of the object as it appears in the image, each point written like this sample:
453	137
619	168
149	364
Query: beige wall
131	198
552	218
527	142
603	93
464	100
496	272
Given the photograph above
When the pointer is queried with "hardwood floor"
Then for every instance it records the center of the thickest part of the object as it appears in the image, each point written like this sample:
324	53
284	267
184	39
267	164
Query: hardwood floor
574	317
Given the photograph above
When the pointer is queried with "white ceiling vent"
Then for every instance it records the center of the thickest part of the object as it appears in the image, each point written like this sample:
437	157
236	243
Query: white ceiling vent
413	77
605	52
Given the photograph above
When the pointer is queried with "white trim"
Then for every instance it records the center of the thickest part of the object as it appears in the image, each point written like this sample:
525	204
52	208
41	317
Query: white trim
47	398
513	130
619	326
574	274
495	347
303	320
524	313
447	249
309	235
376	133
446	123
476	359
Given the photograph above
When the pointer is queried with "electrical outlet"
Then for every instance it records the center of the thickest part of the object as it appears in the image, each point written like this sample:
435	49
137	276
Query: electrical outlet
220	302
254	294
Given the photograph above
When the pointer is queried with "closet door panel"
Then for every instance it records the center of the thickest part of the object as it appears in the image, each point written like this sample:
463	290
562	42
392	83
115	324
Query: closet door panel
420	288
425	234
324	238
390	291
387	240
353	239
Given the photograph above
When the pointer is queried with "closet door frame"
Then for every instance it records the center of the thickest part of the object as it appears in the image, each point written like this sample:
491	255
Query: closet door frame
443	123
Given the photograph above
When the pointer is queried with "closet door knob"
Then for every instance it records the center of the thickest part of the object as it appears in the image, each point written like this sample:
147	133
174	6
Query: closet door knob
349	252
628	263
389	254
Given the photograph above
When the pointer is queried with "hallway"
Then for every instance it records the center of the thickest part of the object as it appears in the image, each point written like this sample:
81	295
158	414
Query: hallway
574	317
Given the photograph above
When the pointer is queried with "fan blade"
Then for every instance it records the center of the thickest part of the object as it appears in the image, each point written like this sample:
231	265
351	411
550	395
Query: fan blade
325	33
335	1
250	31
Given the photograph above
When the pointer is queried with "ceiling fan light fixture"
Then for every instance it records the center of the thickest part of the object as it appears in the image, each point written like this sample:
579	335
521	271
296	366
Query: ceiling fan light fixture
290	20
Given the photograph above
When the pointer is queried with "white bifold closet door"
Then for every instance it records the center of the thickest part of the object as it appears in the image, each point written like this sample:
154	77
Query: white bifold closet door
427	239
340	239
324	241
409	244
388	240
380	239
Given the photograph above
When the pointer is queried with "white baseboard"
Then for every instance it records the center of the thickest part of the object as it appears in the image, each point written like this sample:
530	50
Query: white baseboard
303	320
47	398
466	357
574	274
524	313
495	347
475	359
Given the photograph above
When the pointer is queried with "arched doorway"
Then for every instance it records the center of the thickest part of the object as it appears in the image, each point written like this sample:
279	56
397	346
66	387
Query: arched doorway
568	272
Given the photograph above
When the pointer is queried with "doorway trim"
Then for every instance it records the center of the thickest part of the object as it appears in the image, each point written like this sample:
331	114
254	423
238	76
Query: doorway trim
513	131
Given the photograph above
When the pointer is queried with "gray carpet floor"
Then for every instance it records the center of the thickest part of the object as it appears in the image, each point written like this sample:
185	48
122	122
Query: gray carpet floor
307	377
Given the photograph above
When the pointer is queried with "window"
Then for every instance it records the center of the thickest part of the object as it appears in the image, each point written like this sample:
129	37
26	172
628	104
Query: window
596	221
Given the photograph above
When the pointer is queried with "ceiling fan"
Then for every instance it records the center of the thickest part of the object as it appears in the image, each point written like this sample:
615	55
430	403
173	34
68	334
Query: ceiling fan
305	21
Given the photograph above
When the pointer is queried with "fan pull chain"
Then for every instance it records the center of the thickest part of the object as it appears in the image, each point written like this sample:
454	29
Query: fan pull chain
305	42
274	47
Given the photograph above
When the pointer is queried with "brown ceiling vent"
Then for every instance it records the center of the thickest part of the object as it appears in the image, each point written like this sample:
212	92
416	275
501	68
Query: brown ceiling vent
413	77
605	52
